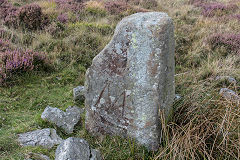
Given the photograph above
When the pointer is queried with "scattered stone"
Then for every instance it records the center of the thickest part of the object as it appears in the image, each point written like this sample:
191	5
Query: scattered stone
230	95
95	154
46	138
228	78
65	120
76	149
59	78
131	78
78	93
177	97
37	156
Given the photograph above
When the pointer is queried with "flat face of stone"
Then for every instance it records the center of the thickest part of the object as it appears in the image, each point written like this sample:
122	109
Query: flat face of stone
73	149
46	138
132	78
65	120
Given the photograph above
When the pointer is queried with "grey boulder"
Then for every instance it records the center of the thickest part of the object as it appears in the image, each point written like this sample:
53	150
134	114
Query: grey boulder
37	156
75	149
229	95
46	138
177	97
65	120
95	154
78	93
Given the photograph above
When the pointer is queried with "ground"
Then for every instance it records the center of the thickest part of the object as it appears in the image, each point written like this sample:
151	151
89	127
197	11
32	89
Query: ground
204	125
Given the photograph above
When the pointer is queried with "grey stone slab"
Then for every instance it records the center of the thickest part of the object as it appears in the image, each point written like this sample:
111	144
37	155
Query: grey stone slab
73	149
65	120
45	137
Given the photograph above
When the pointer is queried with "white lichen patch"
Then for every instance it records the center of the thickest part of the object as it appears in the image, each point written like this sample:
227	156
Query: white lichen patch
102	101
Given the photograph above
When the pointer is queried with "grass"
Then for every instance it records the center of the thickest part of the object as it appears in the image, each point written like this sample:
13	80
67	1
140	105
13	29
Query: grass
204	125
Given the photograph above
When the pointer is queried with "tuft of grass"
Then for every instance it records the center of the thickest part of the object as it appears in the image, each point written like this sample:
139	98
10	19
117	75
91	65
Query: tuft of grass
49	8
95	8
103	29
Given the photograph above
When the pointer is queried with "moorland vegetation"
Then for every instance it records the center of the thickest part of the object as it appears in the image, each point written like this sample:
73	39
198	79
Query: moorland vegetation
47	45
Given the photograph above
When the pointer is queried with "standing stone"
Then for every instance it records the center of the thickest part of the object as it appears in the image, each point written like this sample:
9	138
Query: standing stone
132	79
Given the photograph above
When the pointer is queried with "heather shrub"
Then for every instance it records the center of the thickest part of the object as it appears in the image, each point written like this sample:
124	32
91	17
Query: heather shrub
227	42
237	16
31	17
4	45
70	5
4	8
63	18
116	7
17	61
217	9
8	13
28	16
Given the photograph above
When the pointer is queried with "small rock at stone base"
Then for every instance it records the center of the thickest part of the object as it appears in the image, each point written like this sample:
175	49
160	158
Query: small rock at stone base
228	78
95	154
37	156
230	95
46	138
76	149
78	93
177	97
65	120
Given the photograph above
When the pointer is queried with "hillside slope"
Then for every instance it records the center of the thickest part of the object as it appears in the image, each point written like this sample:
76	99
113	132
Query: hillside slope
46	47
